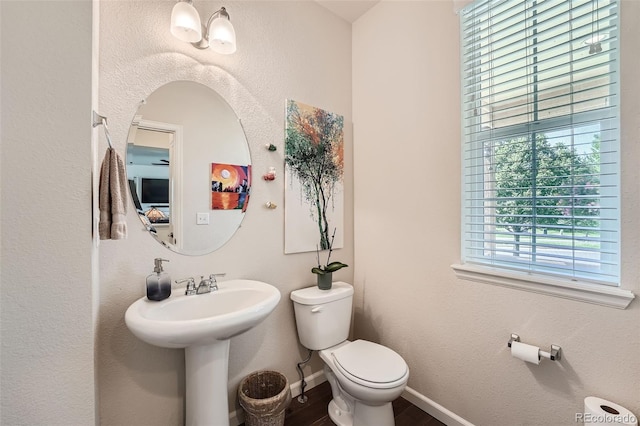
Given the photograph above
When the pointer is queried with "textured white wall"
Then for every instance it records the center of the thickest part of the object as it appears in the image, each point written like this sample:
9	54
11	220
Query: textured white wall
47	368
453	333
295	50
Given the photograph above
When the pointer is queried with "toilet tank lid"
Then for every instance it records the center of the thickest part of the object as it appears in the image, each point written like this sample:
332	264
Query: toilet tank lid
315	296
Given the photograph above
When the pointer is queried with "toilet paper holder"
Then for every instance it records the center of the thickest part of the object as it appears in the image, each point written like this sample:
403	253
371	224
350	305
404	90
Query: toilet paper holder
554	354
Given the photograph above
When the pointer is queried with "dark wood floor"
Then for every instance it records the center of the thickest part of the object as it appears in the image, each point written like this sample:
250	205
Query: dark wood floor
314	411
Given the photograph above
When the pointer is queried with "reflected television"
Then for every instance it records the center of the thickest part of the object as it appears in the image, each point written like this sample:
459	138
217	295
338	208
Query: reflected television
154	191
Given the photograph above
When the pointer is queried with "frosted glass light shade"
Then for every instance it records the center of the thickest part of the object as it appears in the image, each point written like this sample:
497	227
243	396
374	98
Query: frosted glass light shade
185	22
222	36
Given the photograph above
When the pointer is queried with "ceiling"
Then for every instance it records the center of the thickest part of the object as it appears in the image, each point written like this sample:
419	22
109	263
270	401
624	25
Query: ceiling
349	10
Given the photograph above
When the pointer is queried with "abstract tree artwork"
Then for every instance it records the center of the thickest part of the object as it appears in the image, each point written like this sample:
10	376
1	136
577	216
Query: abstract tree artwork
230	186
314	169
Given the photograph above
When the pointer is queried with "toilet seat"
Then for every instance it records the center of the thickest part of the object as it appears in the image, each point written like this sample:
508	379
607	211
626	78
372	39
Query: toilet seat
370	364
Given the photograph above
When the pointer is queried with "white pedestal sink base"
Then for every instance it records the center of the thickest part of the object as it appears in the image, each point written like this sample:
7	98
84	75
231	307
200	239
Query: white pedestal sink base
191	322
207	377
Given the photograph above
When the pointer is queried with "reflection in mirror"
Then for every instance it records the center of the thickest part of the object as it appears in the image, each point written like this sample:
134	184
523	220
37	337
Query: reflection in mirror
188	167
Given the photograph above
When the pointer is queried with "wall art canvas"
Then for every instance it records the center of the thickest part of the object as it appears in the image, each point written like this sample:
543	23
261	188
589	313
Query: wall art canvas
314	169
230	186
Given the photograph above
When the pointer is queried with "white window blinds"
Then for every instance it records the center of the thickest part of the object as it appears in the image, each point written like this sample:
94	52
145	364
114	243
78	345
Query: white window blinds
540	137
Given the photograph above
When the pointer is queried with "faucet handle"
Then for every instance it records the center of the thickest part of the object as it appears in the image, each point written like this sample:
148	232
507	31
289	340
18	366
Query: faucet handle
191	285
214	283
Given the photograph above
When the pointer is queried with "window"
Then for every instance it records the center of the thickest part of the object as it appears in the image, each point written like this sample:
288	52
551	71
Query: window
540	138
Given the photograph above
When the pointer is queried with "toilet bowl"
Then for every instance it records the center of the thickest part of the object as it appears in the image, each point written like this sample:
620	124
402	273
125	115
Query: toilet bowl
365	377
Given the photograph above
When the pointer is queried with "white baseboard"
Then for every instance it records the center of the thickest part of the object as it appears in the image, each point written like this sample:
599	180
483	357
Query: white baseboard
236	417
434	409
312	380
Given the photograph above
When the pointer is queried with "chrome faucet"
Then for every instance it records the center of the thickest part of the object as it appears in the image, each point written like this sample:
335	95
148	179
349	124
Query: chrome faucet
205	285
191	286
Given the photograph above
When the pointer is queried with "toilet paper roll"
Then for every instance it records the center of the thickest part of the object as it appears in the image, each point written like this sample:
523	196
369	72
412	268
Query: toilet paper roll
598	411
525	352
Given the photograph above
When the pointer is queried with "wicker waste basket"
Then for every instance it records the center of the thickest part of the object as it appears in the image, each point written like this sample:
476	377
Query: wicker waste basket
264	396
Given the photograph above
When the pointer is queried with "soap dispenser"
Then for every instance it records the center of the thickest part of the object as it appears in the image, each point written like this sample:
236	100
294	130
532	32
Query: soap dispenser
158	283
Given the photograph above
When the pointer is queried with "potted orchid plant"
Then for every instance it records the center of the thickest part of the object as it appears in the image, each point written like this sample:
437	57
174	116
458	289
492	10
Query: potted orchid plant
325	272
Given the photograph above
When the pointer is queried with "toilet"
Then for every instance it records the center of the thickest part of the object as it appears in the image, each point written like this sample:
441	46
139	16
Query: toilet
364	376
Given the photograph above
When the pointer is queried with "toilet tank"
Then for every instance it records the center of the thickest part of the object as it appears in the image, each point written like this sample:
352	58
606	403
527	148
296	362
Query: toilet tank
323	317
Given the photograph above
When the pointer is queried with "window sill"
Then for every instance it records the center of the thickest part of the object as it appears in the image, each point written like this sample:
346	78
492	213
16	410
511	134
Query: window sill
612	297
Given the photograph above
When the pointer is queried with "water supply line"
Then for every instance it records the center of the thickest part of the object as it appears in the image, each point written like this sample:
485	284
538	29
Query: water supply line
302	398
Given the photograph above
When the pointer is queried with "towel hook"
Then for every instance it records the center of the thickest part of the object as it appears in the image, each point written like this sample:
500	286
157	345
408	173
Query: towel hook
101	120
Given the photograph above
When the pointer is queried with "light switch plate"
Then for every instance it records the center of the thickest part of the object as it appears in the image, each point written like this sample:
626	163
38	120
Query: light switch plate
202	218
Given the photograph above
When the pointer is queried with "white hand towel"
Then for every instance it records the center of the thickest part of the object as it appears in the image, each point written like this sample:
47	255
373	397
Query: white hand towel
112	197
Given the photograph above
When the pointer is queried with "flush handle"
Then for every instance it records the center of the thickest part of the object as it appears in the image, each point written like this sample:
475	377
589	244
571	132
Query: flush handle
316	310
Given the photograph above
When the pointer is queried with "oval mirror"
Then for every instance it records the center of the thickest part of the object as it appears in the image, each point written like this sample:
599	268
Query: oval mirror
189	168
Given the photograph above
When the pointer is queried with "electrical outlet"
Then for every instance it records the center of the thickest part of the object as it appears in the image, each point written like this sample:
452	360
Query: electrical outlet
202	218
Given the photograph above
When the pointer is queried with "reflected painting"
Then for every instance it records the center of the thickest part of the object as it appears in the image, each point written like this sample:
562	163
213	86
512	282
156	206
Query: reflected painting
230	186
314	169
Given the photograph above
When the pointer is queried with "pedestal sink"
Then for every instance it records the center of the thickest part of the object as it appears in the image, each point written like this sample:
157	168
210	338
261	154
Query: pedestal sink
203	325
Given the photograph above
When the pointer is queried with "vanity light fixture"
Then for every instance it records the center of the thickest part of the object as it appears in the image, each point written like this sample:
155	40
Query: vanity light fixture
217	34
